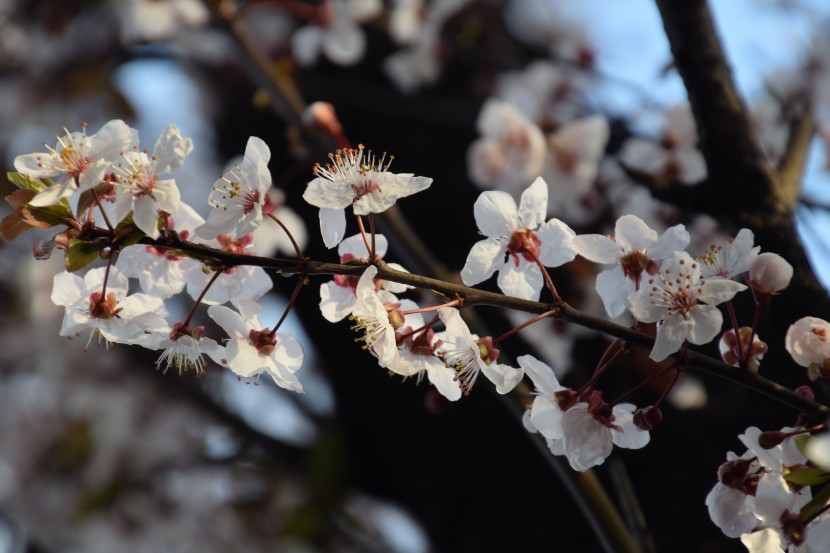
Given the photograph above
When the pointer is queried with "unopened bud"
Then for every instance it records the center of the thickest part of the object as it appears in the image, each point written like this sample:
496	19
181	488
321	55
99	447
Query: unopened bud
648	418
769	274
733	473
42	250
771	439
321	116
806	391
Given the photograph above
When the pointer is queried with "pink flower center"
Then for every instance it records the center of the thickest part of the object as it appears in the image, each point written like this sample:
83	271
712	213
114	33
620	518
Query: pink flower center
74	163
101	307
524	243
364	188
633	265
250	201
263	341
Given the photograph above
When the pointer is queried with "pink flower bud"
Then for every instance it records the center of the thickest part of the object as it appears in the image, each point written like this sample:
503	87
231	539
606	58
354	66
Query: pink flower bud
321	116
768	275
648	418
771	439
805	391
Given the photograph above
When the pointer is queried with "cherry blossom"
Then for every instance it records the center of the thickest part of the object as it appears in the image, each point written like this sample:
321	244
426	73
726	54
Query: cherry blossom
726	501
419	26
337	33
676	157
545	414
591	429
731	352
417	347
184	349
338	297
672	297
634	250
807	343
544	92
153	20
571	165
769	274
161	272
138	187
749	487
252	349
245	282
777	508
511	151
731	259
376	319
78	161
356	178
516	239
469	355
239	196
110	314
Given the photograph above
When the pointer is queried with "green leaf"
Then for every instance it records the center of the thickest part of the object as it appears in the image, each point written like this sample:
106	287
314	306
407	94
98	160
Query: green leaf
816	504
28	182
126	233
808	476
80	254
58	212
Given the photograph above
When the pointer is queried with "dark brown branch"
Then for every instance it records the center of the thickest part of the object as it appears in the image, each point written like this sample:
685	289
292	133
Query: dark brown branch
734	160
742	190
794	160
475	296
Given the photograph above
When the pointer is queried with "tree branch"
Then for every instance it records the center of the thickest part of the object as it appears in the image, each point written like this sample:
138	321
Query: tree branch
794	160
475	296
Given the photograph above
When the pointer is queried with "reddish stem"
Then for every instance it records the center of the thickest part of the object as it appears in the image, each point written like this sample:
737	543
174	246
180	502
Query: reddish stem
527	323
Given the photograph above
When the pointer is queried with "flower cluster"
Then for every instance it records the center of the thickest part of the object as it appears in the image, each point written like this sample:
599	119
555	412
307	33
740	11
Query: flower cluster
763	496
108	175
151	235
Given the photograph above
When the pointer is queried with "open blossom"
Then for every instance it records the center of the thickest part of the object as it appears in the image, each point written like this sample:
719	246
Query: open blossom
545	414
138	186
417	356
336	32
376	319
672	297
356	178
511	151
152	20
469	355
184	349
516	239
252	349
676	156
159	271
77	162
110	314
239	196
807	343
245	282
339	296
574	153
581	427
633	251
731	259
733	503
591	429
